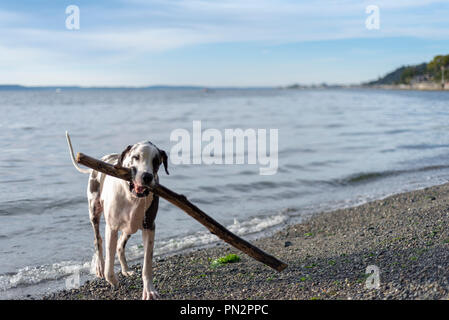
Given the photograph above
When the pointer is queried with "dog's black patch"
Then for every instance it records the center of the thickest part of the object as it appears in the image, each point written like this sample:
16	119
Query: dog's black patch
150	214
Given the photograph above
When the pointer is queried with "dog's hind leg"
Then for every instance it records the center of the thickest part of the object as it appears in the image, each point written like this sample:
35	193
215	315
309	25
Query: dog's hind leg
121	254
95	211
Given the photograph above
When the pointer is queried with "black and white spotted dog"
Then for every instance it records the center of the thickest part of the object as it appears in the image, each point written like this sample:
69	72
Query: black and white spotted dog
127	207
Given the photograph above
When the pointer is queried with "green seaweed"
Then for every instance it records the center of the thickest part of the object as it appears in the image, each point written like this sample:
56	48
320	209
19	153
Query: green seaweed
308	234
230	258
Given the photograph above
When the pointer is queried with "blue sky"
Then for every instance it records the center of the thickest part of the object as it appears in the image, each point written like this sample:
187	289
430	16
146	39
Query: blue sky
215	43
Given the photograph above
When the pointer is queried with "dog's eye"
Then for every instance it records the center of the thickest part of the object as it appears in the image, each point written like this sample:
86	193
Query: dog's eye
135	158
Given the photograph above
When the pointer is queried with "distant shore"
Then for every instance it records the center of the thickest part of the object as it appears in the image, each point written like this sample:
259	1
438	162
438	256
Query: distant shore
416	86
405	235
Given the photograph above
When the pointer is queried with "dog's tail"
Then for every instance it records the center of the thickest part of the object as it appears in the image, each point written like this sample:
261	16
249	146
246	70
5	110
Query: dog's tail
73	156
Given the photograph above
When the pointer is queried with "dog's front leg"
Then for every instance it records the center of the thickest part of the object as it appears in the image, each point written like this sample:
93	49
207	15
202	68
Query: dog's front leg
147	272
111	246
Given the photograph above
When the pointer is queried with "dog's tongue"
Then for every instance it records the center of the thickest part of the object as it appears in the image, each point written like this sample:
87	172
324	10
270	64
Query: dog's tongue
139	189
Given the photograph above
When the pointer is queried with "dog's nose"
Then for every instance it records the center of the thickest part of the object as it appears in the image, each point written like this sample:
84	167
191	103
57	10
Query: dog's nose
147	178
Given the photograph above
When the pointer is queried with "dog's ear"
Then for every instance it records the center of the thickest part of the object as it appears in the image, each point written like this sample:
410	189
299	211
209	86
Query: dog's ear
164	160
123	155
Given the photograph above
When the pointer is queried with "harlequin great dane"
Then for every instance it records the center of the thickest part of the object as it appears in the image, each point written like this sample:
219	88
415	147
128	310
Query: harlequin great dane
127	207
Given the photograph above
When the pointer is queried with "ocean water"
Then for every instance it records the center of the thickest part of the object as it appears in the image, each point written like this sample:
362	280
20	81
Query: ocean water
337	148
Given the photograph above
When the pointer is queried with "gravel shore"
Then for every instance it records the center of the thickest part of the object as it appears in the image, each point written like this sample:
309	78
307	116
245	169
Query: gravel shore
406	236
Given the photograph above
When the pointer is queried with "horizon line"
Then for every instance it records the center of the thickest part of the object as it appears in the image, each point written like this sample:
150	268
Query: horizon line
163	86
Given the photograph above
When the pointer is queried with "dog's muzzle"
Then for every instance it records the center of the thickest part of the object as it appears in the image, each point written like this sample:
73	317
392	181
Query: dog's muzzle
139	191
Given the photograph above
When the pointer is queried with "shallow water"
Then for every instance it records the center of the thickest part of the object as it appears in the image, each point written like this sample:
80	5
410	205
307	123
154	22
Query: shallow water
337	148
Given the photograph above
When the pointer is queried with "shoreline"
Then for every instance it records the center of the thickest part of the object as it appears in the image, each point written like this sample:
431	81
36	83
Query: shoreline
404	235
409	87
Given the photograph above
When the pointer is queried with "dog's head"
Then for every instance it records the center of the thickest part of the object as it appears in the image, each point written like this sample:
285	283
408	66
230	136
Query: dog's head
144	160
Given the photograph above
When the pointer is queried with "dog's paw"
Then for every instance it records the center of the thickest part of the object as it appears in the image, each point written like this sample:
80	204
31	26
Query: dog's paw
127	273
97	266
112	280
99	272
151	294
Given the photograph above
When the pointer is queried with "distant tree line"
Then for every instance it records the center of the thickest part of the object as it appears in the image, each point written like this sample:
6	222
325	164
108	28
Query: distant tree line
431	71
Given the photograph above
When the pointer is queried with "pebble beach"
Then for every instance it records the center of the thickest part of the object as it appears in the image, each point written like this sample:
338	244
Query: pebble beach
405	236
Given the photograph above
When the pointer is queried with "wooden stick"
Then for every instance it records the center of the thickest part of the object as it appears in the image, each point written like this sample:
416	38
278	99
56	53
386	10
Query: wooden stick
181	202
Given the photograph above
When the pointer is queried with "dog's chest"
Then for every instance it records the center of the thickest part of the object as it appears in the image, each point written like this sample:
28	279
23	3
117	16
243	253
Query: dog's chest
134	214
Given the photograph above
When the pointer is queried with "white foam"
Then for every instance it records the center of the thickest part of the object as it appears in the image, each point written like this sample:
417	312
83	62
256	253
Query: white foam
35	275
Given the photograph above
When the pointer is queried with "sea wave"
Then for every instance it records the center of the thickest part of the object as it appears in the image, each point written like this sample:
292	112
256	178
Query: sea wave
37	206
365	177
32	275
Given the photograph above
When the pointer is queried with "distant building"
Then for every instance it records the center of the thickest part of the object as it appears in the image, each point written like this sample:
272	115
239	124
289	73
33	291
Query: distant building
421	78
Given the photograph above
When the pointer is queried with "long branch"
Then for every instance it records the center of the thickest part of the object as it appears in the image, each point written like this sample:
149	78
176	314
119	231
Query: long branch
181	202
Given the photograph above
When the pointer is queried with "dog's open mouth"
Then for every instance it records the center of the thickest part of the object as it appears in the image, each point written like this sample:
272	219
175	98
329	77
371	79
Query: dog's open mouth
139	191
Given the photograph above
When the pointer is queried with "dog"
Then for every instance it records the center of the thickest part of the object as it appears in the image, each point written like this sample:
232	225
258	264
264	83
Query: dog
127	207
